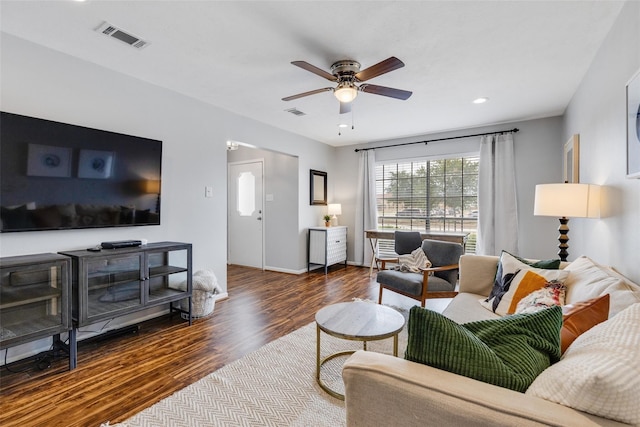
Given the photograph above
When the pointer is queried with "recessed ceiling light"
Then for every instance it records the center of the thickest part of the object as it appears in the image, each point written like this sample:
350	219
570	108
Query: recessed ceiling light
480	100
343	125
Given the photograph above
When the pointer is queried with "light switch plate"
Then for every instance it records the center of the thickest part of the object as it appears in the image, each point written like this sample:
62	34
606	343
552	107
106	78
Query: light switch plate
208	191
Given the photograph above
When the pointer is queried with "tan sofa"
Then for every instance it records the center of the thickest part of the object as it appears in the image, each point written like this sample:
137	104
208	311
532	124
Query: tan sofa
382	390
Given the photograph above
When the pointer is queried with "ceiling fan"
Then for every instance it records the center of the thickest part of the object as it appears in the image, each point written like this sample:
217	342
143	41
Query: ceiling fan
347	74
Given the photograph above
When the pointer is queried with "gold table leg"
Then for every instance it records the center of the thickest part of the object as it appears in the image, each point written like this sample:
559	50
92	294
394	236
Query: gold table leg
320	362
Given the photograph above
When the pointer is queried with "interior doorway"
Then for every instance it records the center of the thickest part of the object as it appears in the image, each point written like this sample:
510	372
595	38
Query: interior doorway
246	213
283	245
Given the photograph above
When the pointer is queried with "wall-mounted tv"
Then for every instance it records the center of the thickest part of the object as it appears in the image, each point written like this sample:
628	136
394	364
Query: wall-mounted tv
56	176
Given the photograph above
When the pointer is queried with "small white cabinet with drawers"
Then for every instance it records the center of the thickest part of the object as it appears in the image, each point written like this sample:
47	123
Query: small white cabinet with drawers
326	246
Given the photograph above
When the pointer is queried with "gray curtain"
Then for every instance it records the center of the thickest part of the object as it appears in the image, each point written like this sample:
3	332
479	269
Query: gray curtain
497	199
366	209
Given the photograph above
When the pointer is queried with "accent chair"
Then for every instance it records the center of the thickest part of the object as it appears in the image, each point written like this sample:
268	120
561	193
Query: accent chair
437	281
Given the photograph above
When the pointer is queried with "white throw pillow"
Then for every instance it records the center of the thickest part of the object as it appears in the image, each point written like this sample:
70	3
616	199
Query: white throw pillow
516	281
600	372
588	279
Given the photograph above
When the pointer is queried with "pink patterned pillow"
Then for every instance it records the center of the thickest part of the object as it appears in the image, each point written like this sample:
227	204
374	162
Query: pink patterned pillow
552	294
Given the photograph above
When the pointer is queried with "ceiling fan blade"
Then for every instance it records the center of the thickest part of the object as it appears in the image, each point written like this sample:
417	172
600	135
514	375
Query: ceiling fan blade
380	68
315	70
386	91
345	107
311	92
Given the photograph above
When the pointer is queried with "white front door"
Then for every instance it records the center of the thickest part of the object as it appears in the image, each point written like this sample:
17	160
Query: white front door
245	214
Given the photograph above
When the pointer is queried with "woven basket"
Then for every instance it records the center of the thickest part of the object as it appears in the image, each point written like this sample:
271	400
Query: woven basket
205	286
203	303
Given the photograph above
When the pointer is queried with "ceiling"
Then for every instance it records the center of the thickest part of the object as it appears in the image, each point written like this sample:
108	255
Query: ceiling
527	57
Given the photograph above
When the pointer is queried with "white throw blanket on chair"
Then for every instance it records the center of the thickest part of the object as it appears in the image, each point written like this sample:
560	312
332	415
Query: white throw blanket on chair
414	261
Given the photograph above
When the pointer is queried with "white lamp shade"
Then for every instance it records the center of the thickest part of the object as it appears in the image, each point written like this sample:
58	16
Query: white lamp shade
569	200
346	92
334	209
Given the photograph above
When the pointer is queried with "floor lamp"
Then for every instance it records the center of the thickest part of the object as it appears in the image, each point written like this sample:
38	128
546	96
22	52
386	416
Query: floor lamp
564	201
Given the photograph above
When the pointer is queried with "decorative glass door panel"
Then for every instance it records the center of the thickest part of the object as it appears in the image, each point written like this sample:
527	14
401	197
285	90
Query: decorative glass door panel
246	194
113	284
34	297
32	294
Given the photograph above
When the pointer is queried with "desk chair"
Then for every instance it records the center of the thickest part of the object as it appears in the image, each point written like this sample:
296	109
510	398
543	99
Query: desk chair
404	242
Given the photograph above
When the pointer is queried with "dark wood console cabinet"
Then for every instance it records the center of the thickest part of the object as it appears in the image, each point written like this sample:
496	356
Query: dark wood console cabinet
115	282
35	301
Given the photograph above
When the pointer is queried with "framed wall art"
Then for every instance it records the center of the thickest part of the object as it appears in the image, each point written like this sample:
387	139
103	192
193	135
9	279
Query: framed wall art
95	164
50	161
633	126
571	168
318	187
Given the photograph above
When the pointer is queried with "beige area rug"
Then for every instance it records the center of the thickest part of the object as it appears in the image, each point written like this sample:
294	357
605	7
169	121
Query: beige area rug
273	386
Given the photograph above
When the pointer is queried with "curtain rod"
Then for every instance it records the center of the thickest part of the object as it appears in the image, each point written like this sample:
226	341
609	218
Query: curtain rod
514	130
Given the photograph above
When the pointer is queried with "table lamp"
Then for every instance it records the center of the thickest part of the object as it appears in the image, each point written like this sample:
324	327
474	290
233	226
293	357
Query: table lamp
334	209
564	201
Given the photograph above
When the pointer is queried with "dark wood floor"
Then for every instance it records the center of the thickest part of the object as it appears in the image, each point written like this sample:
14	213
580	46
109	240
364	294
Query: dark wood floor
120	376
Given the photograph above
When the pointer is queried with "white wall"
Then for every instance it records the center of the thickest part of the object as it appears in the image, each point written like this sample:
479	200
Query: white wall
597	112
537	160
40	82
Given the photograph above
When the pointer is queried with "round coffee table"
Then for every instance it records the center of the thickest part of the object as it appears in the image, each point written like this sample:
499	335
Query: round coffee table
355	321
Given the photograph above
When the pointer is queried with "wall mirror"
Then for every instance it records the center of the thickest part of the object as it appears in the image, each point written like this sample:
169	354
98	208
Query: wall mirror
318	187
571	168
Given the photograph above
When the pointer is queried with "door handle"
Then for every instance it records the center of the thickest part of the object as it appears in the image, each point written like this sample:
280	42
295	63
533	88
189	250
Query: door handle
259	218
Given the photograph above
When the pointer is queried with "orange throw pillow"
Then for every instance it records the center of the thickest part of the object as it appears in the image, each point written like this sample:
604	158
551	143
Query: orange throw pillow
581	317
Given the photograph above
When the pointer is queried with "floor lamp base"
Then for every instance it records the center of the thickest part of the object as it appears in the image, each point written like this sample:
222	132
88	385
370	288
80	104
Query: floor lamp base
563	238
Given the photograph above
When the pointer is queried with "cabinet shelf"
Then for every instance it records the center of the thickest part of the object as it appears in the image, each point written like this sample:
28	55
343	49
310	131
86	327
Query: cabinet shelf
26	295
98	308
164	270
17	329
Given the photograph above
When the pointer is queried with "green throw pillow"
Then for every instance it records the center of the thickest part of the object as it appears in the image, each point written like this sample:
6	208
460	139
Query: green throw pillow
509	352
547	264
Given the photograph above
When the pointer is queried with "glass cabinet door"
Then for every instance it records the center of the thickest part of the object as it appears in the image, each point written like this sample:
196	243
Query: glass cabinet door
167	274
32	300
113	284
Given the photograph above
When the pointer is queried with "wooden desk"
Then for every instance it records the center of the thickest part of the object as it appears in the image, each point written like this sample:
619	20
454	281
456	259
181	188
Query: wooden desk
388	234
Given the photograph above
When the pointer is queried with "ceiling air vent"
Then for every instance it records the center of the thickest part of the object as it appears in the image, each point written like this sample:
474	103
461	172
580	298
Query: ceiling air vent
115	32
296	112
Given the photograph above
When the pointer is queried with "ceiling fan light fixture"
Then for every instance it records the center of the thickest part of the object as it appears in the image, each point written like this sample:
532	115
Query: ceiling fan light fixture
346	92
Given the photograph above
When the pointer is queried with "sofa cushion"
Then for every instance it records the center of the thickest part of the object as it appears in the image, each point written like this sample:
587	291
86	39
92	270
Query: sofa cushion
509	351
578	318
515	280
464	308
600	372
588	279
411	283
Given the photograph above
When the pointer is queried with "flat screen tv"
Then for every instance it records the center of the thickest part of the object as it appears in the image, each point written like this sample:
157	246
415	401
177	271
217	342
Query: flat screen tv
56	176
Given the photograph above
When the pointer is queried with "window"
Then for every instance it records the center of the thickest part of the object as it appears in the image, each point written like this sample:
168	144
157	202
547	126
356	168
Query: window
437	195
